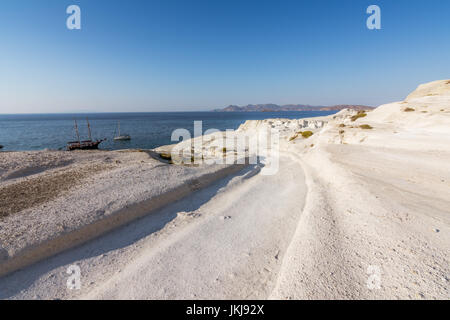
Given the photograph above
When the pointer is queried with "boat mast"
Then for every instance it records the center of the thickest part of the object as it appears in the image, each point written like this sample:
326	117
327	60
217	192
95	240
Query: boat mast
118	123
76	129
89	129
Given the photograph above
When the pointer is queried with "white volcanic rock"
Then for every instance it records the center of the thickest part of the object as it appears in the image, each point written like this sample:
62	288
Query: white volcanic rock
346	204
435	88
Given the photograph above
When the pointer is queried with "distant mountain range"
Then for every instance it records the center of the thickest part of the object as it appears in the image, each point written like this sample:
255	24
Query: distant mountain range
289	107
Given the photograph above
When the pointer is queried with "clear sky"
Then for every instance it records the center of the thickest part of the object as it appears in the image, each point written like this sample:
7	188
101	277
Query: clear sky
181	55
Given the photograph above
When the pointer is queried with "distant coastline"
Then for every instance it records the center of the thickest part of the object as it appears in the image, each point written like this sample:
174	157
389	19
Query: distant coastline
290	107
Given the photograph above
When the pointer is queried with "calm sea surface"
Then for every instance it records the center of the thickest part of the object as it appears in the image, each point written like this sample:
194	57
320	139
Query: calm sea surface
147	130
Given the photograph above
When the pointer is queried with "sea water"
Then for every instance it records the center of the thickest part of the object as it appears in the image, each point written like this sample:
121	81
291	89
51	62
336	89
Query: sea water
147	130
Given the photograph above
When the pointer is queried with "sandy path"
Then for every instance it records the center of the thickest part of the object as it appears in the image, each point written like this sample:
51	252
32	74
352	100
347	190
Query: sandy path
365	211
226	241
234	252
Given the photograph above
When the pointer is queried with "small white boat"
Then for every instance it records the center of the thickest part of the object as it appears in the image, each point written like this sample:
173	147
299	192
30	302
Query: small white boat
122	137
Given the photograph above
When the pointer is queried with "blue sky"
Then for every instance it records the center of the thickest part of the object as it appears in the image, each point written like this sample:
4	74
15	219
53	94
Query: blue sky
181	55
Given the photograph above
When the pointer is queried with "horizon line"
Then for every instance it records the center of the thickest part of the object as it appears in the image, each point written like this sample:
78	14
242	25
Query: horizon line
217	109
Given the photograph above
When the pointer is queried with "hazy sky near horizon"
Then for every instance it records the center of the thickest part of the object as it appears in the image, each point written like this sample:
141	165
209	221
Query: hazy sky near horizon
183	55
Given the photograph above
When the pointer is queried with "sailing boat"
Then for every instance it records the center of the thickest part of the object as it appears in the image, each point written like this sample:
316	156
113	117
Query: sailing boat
86	144
121	137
